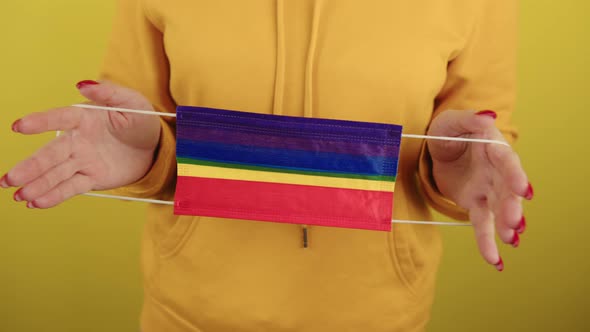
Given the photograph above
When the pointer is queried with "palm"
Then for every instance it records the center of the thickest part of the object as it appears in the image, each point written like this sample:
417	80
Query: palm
103	150
86	151
469	173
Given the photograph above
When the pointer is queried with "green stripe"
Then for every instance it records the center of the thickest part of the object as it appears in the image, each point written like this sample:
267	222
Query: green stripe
282	170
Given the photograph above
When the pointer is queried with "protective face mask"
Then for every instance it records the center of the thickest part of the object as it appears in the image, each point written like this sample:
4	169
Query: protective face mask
285	169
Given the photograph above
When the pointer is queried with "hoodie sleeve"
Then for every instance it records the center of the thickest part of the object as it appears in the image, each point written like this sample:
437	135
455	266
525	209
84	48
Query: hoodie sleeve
482	76
136	59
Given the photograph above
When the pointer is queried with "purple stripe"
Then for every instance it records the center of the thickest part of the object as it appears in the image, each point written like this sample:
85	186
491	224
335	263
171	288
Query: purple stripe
198	117
292	143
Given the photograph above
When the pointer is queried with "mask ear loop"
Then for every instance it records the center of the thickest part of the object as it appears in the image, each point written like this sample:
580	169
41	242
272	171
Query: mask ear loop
154	201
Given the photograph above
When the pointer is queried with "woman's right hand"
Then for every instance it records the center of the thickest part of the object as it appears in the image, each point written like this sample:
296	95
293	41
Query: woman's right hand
97	150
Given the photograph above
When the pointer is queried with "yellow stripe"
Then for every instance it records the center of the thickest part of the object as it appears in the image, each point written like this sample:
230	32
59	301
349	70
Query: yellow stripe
285	178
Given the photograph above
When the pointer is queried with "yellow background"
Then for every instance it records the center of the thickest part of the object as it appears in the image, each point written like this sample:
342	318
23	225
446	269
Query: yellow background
75	267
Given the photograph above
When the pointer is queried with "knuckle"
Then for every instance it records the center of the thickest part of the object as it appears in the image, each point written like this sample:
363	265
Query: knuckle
84	186
111	99
48	181
42	203
36	163
61	192
42	121
62	117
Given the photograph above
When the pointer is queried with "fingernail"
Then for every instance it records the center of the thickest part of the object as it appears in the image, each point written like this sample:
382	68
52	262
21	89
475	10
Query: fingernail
515	240
489	113
85	83
521	225
529	192
17	197
31	205
4	181
14	126
500	265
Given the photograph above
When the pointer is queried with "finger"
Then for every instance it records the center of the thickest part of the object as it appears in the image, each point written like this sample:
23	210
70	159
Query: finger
508	210
498	198
510	236
51	155
76	185
43	184
64	118
110	94
477	122
508	165
483	226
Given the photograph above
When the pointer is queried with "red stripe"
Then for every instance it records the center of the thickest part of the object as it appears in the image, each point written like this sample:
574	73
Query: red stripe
284	203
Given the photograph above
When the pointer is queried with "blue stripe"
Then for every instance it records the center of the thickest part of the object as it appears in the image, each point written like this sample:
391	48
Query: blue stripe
287	159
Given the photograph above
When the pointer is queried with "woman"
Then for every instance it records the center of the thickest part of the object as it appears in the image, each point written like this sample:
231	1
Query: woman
423	65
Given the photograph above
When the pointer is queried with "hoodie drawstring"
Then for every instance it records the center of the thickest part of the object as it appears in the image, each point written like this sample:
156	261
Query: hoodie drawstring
280	62
309	79
311	60
309	70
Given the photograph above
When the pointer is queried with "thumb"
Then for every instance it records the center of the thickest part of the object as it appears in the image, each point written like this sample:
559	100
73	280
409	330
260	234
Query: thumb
107	93
457	123
454	123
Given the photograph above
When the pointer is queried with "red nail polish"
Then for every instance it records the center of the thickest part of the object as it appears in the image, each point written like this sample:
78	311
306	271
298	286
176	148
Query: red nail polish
17	197
489	113
500	265
529	192
4	181
85	83
14	126
515	240
521	226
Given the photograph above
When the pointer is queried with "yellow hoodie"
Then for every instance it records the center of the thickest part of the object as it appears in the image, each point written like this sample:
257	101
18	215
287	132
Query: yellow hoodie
385	61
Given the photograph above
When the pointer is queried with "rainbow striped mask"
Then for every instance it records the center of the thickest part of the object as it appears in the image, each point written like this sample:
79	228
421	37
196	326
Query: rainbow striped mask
285	169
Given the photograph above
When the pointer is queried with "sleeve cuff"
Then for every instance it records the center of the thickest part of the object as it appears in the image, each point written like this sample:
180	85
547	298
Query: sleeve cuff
433	196
159	179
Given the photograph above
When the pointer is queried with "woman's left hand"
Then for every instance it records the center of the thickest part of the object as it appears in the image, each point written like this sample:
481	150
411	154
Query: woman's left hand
486	179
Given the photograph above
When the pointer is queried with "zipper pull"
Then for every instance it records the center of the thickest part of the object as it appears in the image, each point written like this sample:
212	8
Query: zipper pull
305	237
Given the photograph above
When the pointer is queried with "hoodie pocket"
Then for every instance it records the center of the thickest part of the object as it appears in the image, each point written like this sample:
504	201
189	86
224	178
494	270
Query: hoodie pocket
165	234
242	275
177	236
415	253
